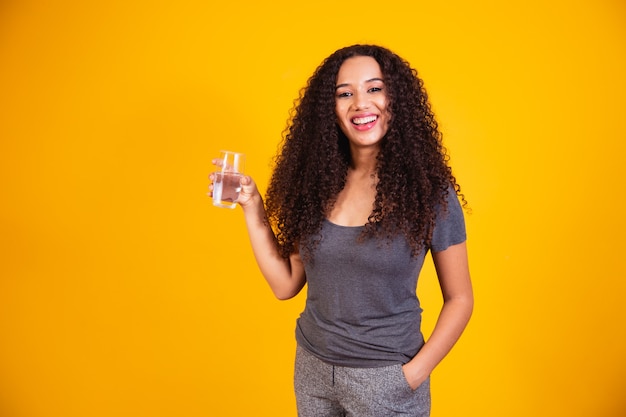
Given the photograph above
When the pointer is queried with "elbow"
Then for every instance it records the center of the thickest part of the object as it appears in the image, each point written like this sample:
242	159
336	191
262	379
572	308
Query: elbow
463	304
283	296
470	309
467	302
469	306
287	292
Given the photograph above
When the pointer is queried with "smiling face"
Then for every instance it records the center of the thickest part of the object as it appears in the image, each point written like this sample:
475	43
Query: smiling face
361	102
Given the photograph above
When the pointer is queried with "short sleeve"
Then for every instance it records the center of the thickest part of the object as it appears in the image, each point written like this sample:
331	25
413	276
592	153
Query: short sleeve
449	226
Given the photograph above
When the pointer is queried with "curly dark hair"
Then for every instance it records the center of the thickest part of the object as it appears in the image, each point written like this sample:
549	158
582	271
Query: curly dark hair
310	169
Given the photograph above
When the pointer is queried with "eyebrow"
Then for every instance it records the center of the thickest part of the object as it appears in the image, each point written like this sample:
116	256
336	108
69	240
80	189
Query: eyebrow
367	81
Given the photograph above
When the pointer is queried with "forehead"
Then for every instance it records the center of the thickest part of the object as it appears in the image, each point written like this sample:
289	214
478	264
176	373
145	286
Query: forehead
358	68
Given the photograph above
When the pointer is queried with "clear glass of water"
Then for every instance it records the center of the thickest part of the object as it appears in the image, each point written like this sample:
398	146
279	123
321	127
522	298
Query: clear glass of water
227	181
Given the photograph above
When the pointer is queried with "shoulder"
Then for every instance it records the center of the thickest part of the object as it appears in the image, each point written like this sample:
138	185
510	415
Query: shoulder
449	224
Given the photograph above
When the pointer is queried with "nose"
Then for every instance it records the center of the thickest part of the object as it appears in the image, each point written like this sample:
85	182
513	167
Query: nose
361	101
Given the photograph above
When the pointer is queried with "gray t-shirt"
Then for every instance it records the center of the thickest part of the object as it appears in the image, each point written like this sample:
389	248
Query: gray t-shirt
362	309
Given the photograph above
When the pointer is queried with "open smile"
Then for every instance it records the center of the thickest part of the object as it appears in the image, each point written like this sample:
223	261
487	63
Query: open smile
364	123
364	120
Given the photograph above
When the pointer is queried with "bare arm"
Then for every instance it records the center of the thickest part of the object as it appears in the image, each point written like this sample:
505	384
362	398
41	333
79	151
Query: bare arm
458	301
285	277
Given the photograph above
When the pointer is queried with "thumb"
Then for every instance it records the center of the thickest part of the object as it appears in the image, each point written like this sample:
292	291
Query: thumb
246	180
247	183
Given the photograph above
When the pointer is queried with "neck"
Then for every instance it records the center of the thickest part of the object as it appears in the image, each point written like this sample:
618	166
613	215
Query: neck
364	160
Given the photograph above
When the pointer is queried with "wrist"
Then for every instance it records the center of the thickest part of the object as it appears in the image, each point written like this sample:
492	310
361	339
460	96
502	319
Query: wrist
252	202
415	374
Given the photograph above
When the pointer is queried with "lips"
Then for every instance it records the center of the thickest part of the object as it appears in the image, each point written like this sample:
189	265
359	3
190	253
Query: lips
364	122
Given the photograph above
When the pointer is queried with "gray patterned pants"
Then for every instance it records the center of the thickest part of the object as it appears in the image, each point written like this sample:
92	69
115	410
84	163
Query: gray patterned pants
324	390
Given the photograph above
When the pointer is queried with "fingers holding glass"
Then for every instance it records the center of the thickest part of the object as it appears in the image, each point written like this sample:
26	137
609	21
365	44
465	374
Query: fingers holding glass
226	182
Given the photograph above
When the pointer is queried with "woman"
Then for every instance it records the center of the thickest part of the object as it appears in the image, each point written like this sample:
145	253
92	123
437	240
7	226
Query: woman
361	191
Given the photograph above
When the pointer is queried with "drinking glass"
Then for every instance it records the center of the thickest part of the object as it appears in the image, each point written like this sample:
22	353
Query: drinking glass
227	181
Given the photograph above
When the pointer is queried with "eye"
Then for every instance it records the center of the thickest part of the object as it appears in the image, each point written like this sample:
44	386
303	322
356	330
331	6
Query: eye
375	89
344	94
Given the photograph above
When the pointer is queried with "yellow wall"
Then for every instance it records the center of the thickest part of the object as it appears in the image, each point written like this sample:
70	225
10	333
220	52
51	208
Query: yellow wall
123	292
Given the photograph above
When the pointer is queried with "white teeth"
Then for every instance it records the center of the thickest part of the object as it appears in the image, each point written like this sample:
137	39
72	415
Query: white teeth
363	120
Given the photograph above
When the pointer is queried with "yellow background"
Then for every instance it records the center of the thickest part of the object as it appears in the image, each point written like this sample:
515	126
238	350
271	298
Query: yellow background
123	292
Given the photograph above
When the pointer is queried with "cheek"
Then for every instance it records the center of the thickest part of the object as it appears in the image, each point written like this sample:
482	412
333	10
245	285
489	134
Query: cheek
338	116
387	112
384	105
339	110
343	127
342	123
